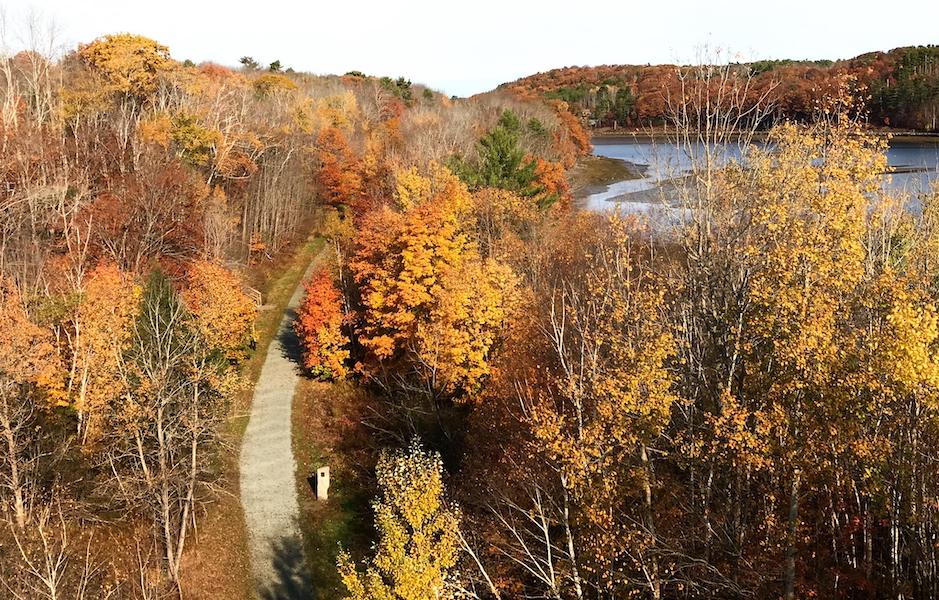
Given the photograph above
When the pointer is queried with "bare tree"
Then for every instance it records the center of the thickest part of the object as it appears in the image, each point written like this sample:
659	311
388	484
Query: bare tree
51	564
160	447
19	454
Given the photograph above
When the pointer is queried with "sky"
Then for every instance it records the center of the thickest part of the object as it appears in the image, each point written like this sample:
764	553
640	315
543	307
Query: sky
467	46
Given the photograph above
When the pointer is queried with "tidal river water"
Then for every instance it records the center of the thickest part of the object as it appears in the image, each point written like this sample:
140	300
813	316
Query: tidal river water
916	165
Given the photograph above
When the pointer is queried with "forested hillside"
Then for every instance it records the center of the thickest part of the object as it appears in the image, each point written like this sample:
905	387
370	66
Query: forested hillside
900	87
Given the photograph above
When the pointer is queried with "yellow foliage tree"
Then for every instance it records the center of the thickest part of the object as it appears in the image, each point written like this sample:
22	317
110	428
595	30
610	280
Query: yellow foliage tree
100	336
223	314
157	129
807	200
130	64
804	202
271	83
505	222
195	143
338	111
468	313
418	533
607	402
924	253
426	293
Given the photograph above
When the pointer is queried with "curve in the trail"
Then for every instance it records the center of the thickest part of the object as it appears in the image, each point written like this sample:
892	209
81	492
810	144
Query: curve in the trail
268	488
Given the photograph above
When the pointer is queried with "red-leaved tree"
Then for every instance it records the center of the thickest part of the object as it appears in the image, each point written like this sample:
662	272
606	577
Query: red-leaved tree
319	328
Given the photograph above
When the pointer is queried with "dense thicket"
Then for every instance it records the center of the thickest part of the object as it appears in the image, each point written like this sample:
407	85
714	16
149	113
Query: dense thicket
741	402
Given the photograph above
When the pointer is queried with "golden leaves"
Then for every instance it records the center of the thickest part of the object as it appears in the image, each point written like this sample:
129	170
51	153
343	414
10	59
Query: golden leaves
130	64
157	129
339	111
426	292
270	84
26	351
418	532
411	188
101	334
807	207
221	311
742	434
898	343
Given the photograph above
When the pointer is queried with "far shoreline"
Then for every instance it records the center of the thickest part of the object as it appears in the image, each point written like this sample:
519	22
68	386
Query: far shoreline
607	135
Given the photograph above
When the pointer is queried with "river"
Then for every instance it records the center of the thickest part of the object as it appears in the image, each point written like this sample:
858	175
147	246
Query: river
918	163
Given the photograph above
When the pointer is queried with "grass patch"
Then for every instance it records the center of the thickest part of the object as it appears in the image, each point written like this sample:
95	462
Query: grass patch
328	430
217	559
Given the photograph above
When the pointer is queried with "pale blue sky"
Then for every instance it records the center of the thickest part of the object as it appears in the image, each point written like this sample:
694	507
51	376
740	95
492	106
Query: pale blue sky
467	46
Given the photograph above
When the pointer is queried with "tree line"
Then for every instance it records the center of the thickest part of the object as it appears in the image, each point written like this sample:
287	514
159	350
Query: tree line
900	88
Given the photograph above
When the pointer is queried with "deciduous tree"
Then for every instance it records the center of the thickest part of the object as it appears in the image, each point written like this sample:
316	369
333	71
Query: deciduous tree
422	282
319	326
131	64
418	539
338	170
222	313
27	365
98	338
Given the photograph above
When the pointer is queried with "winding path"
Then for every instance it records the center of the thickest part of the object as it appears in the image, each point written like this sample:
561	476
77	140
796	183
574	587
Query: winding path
268	483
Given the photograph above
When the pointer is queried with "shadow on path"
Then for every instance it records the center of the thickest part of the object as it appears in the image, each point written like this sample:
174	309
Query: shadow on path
292	578
289	342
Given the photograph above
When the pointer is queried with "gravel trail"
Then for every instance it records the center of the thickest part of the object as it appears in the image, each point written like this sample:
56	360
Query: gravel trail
268	483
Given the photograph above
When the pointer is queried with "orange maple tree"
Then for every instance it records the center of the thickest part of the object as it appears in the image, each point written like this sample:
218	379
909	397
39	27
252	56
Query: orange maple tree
222	312
319	327
551	178
338	172
576	134
428	298
26	351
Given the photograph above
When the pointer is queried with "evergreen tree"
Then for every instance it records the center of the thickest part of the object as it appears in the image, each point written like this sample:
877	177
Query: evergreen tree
623	105
249	63
502	163
604	104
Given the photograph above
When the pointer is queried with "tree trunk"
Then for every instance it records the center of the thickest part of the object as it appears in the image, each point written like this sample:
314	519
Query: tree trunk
790	575
12	448
655	584
575	572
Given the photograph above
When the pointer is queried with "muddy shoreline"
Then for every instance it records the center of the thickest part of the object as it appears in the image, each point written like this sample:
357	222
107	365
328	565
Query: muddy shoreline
594	174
